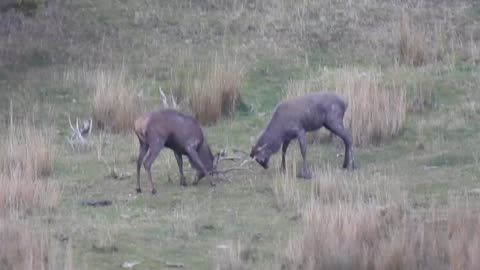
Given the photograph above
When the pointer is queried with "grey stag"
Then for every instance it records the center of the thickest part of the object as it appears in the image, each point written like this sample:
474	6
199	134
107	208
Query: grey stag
293	118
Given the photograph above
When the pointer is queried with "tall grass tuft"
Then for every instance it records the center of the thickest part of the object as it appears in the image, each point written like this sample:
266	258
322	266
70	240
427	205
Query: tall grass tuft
115	103
216	96
28	156
348	226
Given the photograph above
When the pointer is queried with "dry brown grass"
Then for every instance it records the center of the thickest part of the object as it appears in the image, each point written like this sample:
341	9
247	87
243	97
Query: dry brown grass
115	104
29	150
346	225
217	94
28	156
413	48
22	247
374	112
20	192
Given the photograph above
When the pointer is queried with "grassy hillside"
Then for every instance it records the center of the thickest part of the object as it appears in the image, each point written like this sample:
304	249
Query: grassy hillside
408	70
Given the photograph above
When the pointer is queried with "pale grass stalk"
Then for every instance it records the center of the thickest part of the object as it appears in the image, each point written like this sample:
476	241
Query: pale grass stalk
285	189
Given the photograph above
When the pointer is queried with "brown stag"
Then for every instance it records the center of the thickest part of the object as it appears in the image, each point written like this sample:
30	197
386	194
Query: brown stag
183	135
293	118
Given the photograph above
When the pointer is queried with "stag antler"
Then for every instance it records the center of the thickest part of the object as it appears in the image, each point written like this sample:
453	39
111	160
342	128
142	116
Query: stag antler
76	138
221	156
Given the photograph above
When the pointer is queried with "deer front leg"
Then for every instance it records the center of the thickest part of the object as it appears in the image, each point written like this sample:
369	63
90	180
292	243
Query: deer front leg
141	155
305	172
179	159
197	164
284	152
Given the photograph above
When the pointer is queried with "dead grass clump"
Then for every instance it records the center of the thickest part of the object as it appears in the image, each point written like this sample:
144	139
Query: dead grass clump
115	104
22	247
29	150
28	156
218	93
359	235
374	113
19	192
347	226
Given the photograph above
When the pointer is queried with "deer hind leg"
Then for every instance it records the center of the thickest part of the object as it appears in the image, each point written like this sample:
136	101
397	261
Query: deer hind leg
152	155
305	173
335	125
141	155
179	159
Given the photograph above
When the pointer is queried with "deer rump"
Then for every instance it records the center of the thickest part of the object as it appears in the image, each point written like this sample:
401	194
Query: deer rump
180	133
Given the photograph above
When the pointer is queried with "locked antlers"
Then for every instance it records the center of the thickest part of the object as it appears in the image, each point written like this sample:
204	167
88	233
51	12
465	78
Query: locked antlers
221	156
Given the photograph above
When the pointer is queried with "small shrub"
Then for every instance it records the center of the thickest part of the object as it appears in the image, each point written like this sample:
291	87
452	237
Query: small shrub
217	94
115	104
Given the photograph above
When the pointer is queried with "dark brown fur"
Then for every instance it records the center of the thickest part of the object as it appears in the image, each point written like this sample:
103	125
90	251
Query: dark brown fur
293	118
177	131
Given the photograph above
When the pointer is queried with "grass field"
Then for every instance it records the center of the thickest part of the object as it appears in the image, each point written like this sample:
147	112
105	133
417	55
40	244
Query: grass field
409	71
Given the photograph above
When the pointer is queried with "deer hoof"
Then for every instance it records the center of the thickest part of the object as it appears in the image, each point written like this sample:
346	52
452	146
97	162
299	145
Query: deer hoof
183	182
139	190
154	191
